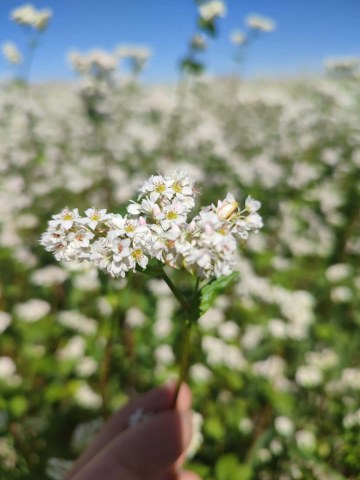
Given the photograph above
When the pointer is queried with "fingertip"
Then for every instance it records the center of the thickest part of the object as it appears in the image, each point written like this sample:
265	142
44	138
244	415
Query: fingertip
188	476
184	399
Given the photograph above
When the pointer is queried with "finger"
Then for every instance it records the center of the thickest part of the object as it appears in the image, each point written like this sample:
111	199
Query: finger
157	400
184	475
145	451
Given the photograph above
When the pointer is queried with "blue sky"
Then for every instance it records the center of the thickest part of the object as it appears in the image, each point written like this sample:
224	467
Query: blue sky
308	31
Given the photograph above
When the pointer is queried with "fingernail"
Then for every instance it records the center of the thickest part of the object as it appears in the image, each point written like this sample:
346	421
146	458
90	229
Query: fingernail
186	427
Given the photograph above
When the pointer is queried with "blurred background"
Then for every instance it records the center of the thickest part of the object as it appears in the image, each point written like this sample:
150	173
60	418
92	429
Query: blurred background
255	98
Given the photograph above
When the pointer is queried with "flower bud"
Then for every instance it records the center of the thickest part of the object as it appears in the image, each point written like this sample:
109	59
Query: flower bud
227	208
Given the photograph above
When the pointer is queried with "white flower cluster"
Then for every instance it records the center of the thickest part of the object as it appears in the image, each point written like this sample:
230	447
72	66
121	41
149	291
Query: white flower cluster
11	53
28	15
96	62
212	9
156	227
238	38
263	24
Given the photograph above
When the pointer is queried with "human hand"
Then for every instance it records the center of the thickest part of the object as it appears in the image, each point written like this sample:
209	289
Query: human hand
153	449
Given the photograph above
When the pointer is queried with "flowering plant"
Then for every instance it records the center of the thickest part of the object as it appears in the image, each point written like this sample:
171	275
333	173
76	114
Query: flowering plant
156	233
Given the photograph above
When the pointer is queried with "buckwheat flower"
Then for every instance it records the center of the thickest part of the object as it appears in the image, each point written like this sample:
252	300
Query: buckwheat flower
246	425
49	276
238	38
7	368
227	208
27	15
8	455
308	376
305	440
199	373
87	398
146	207
65	219
32	310
352	420
183	188
11	53
5	321
174	214
42	19
101	255
197	437
86	367
57	468
156	186
260	23
198	42
55	241
284	426
252	205
24	15
211	10
73	350
80	239
138	257
94	216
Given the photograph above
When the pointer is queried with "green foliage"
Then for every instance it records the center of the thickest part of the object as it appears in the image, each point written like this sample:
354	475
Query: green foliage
213	289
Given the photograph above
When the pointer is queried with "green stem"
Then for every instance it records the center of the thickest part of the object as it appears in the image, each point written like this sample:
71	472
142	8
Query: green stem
175	291
184	360
184	364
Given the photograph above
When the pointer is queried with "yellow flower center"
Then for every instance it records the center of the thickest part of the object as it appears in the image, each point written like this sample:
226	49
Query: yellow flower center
160	188
68	216
177	187
129	228
137	254
171	215
95	216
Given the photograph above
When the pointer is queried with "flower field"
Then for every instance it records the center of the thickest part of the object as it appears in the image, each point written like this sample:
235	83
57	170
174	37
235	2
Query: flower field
275	363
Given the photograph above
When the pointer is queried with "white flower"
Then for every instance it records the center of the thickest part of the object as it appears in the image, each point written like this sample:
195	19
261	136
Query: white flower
65	219
308	376
252	205
27	15
32	310
227	208
7	368
174	214
238	38
138	257
212	9
284	426
87	398
200	373
158	228
80	239
49	276
198	42
305	440
157	186
73	350
5	321
11	53
261	23
197	437
94	216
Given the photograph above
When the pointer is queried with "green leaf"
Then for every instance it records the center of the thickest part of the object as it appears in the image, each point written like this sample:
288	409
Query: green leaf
18	405
192	66
214	428
207	26
210	291
229	468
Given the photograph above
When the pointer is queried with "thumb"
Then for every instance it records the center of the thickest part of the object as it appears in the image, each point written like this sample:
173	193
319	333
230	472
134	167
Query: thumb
144	451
